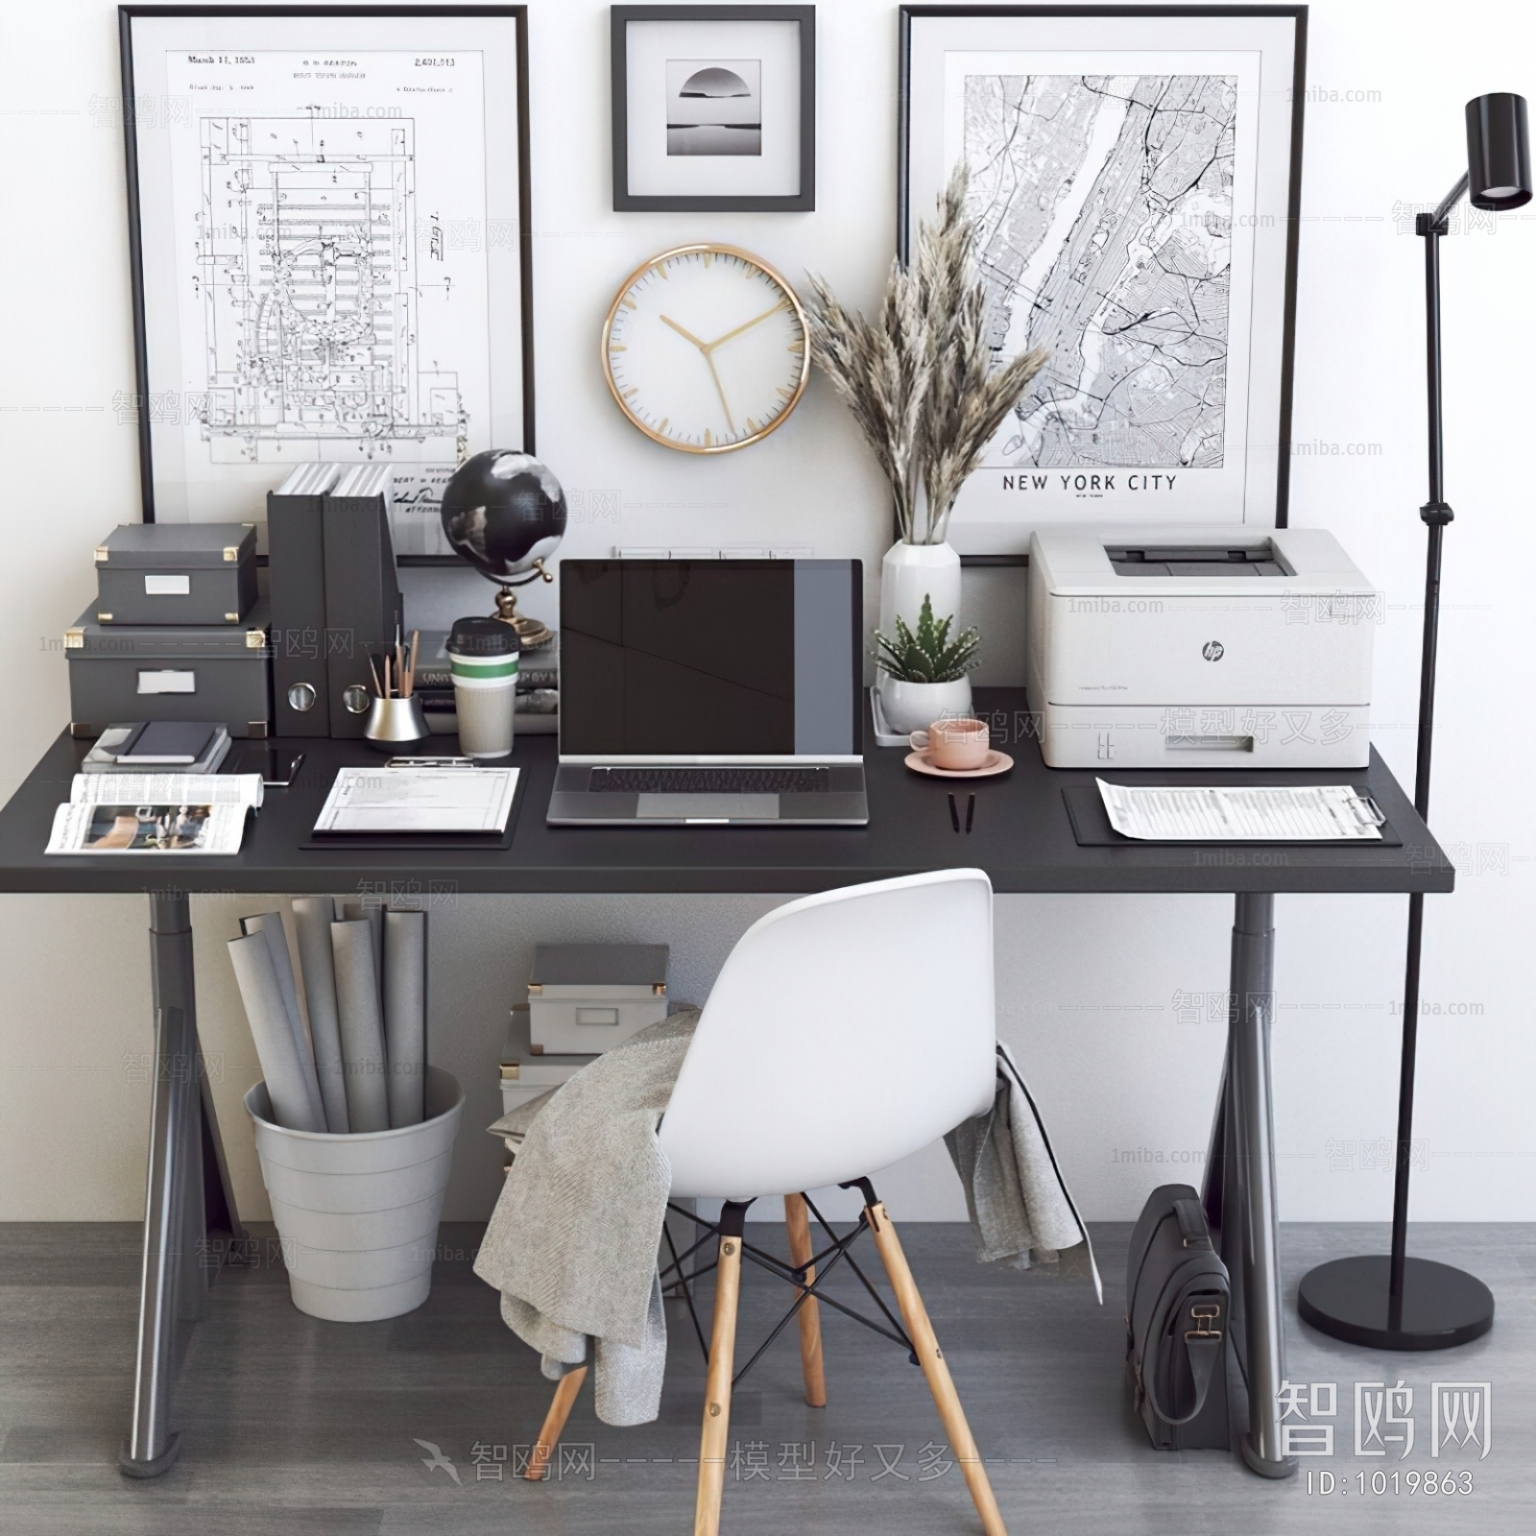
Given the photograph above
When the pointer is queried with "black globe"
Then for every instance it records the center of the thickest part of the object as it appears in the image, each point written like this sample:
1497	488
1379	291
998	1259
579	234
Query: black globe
502	511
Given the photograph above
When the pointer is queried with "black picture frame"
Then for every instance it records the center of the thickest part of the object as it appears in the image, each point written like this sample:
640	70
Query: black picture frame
143	382
624	201
1297	14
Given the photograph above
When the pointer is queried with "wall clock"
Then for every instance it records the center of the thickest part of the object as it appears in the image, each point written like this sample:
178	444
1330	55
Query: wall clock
705	348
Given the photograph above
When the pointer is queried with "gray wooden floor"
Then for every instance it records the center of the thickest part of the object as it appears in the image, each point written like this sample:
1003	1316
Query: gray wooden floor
292	1425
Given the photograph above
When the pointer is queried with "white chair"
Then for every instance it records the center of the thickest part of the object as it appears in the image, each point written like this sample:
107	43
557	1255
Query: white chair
846	1031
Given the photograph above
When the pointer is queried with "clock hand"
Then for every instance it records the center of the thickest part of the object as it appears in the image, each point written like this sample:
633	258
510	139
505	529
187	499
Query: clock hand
721	389
710	346
686	335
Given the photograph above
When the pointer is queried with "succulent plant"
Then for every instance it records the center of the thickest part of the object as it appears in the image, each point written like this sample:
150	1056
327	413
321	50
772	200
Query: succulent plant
927	655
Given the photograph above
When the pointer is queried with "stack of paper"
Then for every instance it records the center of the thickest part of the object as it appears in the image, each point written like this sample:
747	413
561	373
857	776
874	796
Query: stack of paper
117	750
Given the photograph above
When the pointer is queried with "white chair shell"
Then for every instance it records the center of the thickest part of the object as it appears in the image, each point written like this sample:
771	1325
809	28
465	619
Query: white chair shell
846	1031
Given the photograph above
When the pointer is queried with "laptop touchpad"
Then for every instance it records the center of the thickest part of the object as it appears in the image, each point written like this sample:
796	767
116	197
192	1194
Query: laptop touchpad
708	807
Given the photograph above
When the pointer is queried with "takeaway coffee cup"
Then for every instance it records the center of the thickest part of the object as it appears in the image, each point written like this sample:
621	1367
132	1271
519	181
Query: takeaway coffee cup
958	745
482	656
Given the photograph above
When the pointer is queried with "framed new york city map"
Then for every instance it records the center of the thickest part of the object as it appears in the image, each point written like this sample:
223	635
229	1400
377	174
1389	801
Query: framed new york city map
1135	181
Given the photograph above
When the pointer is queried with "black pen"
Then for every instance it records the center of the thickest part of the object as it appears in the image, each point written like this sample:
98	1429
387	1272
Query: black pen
954	813
970	812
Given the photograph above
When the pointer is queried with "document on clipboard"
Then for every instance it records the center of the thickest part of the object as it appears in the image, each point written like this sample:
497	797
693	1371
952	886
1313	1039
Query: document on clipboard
406	799
1307	813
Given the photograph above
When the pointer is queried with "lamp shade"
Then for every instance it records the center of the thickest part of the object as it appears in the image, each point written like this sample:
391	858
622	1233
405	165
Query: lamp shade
1498	151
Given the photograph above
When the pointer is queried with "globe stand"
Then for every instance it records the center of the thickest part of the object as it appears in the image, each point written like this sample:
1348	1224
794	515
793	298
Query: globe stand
531	632
501	509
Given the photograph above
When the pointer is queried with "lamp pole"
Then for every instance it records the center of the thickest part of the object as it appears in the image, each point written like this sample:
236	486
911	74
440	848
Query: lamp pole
1436	513
1394	1301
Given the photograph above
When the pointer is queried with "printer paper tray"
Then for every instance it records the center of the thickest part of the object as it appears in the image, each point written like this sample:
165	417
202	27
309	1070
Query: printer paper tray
1246	738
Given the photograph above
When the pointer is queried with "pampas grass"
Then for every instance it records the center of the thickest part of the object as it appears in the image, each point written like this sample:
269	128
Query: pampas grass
881	377
919	377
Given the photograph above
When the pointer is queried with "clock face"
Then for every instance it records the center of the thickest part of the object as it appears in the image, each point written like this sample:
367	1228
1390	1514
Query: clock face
705	349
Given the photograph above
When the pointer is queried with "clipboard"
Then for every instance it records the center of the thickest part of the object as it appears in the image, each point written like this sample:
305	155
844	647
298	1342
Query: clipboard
427	842
1091	829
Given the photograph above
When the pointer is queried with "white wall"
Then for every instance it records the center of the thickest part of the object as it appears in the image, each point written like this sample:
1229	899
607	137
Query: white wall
1087	984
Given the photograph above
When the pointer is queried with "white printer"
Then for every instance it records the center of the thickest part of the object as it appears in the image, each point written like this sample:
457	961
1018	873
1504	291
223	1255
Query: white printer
1187	647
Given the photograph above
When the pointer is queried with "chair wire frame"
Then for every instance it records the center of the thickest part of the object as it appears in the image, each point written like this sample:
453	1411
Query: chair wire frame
824	1263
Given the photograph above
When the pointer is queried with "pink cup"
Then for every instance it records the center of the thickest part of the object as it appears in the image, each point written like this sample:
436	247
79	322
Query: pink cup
958	745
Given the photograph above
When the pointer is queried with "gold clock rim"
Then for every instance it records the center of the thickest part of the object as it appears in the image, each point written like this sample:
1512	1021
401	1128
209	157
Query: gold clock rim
702	247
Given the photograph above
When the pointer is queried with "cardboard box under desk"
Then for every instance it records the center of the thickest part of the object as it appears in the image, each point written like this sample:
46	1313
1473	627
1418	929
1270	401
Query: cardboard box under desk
587	998
591	1024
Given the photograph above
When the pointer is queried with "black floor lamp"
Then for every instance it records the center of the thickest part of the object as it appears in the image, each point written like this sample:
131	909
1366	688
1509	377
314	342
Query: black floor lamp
1392	1301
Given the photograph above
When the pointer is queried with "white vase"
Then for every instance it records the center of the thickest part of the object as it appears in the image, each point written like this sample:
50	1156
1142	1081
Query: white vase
915	706
910	572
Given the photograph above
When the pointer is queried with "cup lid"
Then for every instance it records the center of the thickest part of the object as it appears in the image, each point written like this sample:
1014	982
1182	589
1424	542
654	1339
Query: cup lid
481	636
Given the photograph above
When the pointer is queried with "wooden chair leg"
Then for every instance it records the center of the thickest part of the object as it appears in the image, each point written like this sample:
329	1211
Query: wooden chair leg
797	1221
931	1358
722	1367
554	1423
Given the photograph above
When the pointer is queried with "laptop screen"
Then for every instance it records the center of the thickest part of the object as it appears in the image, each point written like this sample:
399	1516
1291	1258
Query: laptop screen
696	658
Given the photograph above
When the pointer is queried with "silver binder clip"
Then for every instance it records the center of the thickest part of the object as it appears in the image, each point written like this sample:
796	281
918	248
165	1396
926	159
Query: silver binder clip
1368	811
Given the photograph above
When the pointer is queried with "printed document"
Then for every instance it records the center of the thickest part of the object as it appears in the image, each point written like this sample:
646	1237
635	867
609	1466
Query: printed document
390	799
1310	813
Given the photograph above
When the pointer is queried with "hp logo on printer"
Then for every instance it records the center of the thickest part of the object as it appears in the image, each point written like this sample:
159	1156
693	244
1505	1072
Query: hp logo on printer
1213	650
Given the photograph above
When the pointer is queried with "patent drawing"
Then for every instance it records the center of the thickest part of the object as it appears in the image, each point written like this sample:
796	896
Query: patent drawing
311	284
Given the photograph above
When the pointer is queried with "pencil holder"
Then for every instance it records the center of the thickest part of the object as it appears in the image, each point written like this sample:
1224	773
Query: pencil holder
395	724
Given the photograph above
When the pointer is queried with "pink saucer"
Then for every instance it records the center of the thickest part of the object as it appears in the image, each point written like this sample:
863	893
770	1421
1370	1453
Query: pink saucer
997	762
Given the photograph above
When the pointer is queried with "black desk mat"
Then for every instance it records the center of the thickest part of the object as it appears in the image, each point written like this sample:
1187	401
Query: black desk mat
1091	828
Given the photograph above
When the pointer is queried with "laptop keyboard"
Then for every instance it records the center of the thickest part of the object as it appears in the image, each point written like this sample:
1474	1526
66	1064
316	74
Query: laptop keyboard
711	781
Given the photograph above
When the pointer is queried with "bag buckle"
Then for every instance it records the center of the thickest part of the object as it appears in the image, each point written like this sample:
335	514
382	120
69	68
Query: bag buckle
1204	1314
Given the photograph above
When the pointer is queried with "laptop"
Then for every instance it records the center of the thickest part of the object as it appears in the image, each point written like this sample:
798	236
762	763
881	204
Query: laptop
710	693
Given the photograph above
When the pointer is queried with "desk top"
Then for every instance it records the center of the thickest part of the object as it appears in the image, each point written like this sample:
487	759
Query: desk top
1021	836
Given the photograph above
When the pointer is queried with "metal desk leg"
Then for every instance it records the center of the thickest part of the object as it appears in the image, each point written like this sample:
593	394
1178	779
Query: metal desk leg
182	1143
1249	1232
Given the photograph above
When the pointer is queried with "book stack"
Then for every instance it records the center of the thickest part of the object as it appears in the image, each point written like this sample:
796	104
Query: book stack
186	746
538	687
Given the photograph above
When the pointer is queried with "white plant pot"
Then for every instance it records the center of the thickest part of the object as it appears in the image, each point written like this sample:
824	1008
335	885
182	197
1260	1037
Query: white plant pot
357	1215
908	573
915	706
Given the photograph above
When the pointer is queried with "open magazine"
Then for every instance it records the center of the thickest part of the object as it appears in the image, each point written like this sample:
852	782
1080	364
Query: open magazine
155	813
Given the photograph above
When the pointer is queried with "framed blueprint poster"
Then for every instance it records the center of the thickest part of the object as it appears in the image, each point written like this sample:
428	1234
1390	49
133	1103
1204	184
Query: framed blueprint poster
1135	178
329	230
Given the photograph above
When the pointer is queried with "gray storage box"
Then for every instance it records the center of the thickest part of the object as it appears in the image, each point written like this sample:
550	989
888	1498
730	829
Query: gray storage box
176	573
588	998
170	672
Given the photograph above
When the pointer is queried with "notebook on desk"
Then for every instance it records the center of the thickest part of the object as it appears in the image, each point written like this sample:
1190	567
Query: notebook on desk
710	692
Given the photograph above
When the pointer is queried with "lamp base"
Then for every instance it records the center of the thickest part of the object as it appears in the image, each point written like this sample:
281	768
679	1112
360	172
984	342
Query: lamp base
1442	1306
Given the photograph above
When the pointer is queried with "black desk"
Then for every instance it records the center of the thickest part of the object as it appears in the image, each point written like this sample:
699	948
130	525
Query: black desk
1022	838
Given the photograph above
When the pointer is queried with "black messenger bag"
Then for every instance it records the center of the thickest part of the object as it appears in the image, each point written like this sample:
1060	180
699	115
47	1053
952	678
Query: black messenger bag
1177	1302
